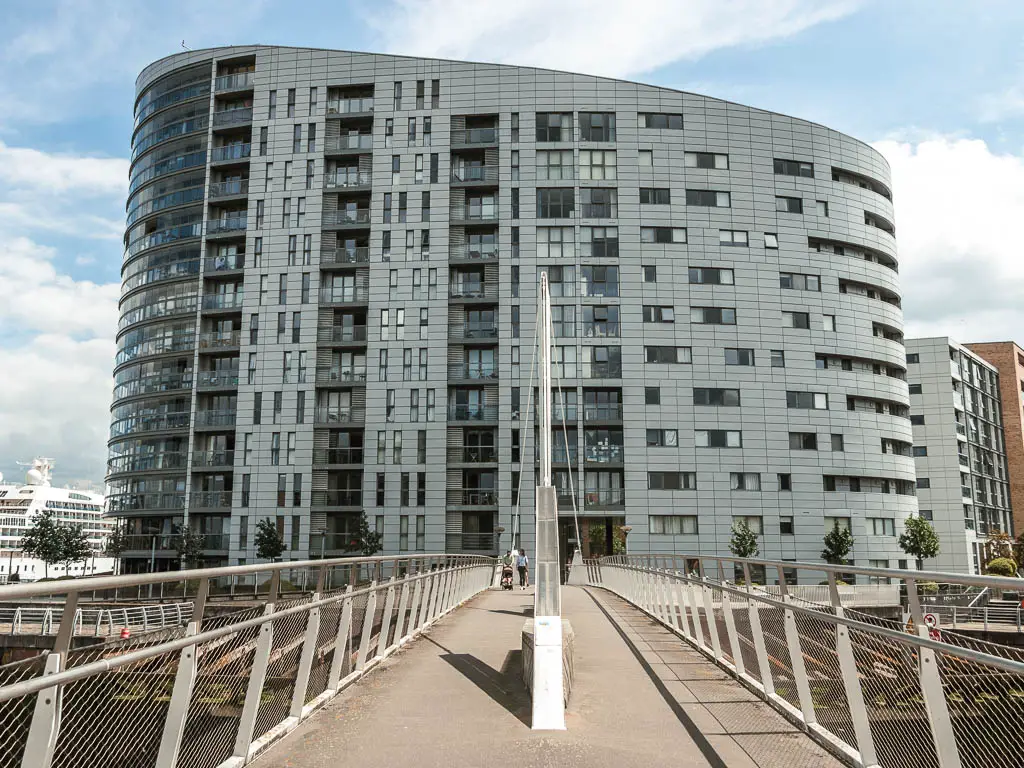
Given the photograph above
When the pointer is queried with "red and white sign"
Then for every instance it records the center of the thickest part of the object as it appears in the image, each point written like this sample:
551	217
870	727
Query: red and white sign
931	620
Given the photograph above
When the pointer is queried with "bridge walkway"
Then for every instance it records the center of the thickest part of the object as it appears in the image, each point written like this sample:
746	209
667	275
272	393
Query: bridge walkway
642	697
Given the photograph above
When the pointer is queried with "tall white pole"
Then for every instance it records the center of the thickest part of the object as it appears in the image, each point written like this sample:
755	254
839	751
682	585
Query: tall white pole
548	693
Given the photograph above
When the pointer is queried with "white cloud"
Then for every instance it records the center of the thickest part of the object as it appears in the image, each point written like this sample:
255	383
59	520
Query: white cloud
55	172
1006	104
602	37
958	205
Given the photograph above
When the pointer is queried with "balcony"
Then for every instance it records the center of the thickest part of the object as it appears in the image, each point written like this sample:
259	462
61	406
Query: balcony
603	454
349	218
159	382
474	454
341	375
472	497
606	329
609	412
226	301
471	543
337	498
218	379
347	179
218	341
230	153
213	265
606	498
240	81
559	455
473	332
232	188
226	225
351	143
339	416
324	456
120	503
213	459
606	370
350	106
167	543
158	462
162	422
215	419
471	174
473	371
963	460
472	290
341	334
351	294
473	214
472	136
474	252
473	413
341	256
229	118
210	500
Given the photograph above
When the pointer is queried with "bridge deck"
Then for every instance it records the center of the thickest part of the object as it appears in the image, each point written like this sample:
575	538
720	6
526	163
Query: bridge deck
642	697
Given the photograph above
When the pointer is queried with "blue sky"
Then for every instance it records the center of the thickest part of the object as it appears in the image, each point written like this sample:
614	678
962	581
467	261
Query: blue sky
937	85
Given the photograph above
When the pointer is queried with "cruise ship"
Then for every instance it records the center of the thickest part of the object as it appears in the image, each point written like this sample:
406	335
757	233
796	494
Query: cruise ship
21	503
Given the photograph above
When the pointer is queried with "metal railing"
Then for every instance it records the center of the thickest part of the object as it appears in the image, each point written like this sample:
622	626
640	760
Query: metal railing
228	188
235	81
472	413
344	294
226	224
357	255
221	689
346	217
475	136
223	458
338	415
337	456
340	375
93	622
220	339
224	417
229	117
351	141
473	371
230	152
339	334
348	106
878	691
480	251
475	173
225	378
353	178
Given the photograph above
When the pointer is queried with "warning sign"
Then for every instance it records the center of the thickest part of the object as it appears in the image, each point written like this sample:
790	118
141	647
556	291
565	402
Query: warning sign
934	634
931	620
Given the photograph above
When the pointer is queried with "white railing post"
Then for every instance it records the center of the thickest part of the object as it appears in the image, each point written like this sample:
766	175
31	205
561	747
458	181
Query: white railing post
385	621
309	648
341	642
796	656
709	608
403	605
258	675
757	634
730	627
364	642
414	609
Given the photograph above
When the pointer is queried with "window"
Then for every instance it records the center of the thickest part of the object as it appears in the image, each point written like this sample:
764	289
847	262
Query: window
744	481
599	203
789	205
597	126
435	102
658	315
708	160
771	240
915	389
713	315
599	242
555	203
821	208
555	165
838	443
667	354
672	481
799	282
312	101
655	196
778	358
808	400
924	513
380	479
710	276
420	93
514	126
732	237
398	96
662	235
793	168
515	203
599	280
800	320
673	525
296	146
554	126
716	396
272	108
662	438
563	321
650	273
646	158
555	242
718	438
920	450
661	120
803	441
291	102
913	358
917	420
881	526
652	396
434	165
514	168
561	281
597	165
707	198
785	482
924	482
263	141
828	322
739	356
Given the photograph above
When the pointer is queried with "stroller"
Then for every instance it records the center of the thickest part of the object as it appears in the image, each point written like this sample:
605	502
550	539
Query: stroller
506	576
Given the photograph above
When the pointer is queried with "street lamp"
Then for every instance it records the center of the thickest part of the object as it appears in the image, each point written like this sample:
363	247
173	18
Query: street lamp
625	536
323	540
500	530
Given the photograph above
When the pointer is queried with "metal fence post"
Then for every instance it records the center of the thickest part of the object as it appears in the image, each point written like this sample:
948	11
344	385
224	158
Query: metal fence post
730	628
340	642
796	656
258	675
46	716
709	608
414	608
403	604
851	682
364	642
385	620
931	688
757	633
308	648
184	683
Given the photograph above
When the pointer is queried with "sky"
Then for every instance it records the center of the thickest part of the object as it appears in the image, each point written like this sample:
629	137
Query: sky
936	85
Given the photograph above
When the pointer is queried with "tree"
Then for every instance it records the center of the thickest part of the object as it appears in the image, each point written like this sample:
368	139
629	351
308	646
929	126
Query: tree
1001	566
189	544
44	540
919	539
744	541
838	543
74	546
116	543
367	541
269	544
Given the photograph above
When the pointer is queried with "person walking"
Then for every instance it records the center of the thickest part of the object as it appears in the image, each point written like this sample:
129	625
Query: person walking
523	564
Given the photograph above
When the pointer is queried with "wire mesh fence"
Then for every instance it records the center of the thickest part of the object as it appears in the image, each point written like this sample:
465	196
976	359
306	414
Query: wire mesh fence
226	684
868	669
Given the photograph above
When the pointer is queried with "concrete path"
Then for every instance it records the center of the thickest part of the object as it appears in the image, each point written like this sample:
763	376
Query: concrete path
455	698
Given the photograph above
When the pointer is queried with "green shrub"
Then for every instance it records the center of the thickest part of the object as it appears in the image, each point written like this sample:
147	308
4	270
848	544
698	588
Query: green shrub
1002	566
928	588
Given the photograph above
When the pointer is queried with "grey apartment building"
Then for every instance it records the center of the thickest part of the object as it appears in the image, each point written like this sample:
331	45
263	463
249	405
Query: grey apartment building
959	449
330	285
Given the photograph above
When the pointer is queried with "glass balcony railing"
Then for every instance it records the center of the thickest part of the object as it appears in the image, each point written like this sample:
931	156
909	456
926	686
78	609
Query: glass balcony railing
349	106
356	255
157	422
131	502
475	173
216	340
337	498
215	418
341	334
473	371
603	454
227	224
340	375
472	413
223	300
605	497
472	289
228	188
473	213
210	500
352	141
148	462
339	415
323	456
230	152
213	458
481	251
352	178
213	264
475	331
606	370
230	117
609	412
475	136
601	330
472	542
478	454
344	294
227	378
473	497
235	82
346	218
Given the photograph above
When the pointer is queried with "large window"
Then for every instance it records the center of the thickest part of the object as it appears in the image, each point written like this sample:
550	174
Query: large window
597	126
600	321
600	280
789	204
662	235
599	203
793	168
555	243
718	438
672	481
555	203
656	354
655	196
561	281
597	164
738	356
661	120
653	314
673	525
711	276
799	282
707	198
713	315
554	126
811	400
708	160
554	164
599	242
716	396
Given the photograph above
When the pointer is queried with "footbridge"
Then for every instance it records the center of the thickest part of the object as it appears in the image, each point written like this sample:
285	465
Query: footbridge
419	661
